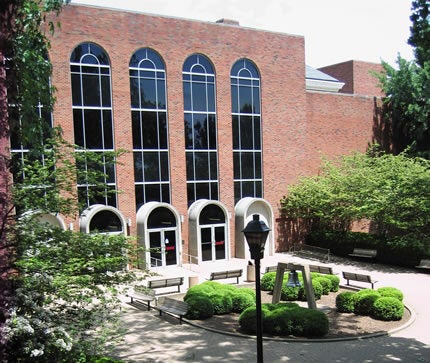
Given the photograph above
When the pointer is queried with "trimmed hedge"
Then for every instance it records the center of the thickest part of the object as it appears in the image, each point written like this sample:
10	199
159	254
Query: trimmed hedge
345	302
199	307
286	319
388	308
382	304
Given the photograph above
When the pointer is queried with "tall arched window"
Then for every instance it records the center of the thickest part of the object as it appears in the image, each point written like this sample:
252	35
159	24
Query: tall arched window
200	128
246	123
93	125
149	125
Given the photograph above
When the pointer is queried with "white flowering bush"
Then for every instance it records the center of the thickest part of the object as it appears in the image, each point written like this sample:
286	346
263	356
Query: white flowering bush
65	306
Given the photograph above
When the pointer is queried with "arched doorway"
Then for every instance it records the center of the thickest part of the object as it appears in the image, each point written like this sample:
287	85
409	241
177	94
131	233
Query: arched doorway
158	230
209	231
100	218
244	210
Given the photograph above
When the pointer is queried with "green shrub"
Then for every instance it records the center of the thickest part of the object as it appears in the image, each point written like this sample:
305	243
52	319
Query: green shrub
248	318
222	302
199	307
290	319
318	290
289	293
325	283
267	282
345	302
204	289
391	292
335	281
388	308
242	300
363	303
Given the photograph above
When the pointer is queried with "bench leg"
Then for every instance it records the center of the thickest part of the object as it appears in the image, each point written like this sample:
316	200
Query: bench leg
149	305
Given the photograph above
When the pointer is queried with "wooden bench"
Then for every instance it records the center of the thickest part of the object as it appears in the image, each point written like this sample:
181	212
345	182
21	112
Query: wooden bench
220	275
172	307
142	296
424	264
363	253
321	269
313	252
271	269
167	282
358	277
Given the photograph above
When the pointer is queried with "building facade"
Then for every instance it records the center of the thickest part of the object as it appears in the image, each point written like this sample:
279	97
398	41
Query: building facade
216	120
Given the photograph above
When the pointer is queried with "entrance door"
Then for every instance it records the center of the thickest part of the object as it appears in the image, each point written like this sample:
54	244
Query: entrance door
163	249
213	242
162	231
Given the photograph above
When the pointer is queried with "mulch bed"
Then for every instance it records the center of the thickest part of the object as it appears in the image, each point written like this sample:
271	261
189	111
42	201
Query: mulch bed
341	325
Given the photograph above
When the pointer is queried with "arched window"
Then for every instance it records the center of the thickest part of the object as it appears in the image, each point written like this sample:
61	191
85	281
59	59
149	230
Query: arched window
246	123
149	125
200	128
93	125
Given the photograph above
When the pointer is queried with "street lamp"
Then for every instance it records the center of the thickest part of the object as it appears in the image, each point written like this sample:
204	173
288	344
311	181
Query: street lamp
256	232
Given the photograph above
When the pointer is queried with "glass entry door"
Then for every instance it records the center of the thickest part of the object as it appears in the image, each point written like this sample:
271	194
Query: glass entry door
163	247
213	242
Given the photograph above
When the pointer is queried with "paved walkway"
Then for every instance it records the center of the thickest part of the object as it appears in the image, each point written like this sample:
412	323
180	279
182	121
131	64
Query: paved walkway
150	338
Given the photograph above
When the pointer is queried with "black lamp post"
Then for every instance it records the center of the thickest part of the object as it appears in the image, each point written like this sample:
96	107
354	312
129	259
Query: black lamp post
256	232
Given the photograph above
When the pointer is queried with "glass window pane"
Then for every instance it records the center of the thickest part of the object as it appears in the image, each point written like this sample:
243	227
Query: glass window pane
78	128
164	166
137	132
236	165
188	128
201	165
258	189
106	94
138	166
248	189
212	132
245	99
76	90
257	133
234	99
91	90
150	134
162	129
236	135
199	97
151	166
200	131
134	92
257	171
190	165
190	193
161	89
246	133
165	192
187	96
214	191
256	94
148	95
213	166
152	193
202	191
247	165
93	132
138	191
108	129
211	98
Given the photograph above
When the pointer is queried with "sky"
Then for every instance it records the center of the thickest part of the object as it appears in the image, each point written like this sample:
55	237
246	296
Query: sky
334	30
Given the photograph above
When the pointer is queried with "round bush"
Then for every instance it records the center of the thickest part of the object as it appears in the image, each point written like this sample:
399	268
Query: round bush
280	321
289	293
335	281
345	302
325	283
391	292
388	308
267	282
242	300
222	302
363	303
318	290
199	307
248	318
314	323
205	288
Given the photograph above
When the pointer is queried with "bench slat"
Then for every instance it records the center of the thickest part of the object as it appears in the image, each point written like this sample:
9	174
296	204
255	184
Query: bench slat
167	282
363	252
172	307
219	275
424	264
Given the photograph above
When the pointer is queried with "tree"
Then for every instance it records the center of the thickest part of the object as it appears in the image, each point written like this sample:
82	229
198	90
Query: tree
59	288
420	31
407	89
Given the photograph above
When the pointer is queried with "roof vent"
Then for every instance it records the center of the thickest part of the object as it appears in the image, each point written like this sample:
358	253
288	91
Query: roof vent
227	21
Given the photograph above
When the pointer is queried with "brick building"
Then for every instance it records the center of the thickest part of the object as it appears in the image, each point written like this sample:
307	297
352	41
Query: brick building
217	120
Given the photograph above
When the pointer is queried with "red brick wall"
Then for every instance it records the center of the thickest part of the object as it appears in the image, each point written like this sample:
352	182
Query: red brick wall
297	126
357	77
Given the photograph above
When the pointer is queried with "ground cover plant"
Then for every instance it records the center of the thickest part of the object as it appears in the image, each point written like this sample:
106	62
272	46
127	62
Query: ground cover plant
385	303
